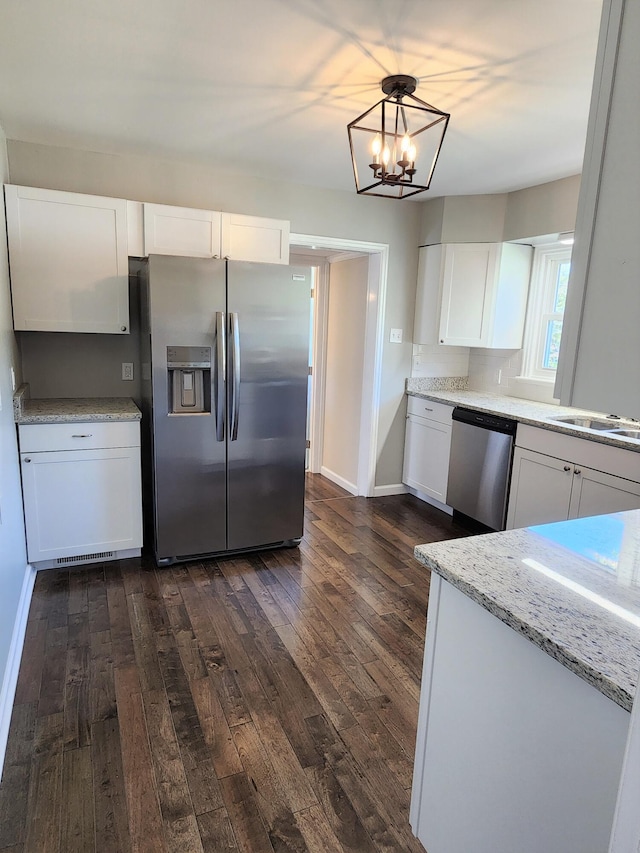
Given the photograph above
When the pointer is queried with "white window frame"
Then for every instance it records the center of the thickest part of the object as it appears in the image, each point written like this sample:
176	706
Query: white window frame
546	259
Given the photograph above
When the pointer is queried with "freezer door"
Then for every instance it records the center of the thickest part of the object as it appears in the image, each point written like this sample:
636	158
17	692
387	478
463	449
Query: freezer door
267	372
186	298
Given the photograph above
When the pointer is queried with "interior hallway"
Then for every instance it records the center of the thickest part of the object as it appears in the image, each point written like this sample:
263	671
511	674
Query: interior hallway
263	703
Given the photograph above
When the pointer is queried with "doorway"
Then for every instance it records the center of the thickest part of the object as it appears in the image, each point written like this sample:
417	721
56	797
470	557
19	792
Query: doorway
347	346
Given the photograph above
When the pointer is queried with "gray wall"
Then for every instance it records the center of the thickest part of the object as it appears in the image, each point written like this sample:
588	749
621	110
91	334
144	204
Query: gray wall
13	558
311	211
545	209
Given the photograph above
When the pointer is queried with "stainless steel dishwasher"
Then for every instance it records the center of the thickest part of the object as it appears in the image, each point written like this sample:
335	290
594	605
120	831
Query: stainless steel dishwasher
480	466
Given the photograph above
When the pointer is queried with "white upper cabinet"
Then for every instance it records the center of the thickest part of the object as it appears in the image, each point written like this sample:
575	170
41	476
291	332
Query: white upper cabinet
181	231
252	238
208	234
69	263
484	294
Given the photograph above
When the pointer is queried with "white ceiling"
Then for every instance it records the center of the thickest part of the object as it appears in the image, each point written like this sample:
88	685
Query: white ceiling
268	86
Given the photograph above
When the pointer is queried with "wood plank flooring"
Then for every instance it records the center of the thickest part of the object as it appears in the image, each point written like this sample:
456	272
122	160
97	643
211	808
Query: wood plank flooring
264	704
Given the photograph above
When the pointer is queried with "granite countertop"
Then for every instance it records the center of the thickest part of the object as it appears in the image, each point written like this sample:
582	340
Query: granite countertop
572	588
530	412
72	409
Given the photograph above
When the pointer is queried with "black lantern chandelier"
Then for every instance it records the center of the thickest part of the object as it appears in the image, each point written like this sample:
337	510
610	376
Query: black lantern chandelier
395	144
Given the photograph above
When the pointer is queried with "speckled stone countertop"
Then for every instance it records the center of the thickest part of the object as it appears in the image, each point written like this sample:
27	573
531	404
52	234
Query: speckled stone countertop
76	410
529	412
572	588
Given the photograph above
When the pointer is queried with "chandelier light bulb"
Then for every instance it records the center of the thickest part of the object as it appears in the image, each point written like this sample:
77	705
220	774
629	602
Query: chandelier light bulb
385	155
405	146
376	147
411	153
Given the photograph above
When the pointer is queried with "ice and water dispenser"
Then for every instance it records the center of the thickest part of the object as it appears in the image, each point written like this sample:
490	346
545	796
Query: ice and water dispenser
189	372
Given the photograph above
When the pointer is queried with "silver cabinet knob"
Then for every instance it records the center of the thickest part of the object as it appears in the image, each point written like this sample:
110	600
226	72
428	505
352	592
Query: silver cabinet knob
567	468
123	328
577	472
28	459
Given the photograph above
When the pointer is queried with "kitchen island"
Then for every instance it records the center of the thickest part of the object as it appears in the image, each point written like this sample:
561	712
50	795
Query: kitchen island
531	665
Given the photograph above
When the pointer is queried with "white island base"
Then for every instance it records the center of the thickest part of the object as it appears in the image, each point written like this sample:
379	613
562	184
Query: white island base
515	753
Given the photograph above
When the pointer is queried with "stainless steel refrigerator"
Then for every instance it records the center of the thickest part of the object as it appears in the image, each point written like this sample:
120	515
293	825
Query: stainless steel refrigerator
225	355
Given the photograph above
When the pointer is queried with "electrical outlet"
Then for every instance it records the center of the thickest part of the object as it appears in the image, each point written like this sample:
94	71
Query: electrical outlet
127	370
396	336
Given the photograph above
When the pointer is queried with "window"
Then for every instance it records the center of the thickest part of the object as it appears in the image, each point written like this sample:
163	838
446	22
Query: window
547	297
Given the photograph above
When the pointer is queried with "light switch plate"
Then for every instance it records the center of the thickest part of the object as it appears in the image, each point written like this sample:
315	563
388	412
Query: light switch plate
396	336
127	370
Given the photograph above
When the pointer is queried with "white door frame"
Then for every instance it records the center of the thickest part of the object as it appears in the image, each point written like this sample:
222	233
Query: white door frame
374	339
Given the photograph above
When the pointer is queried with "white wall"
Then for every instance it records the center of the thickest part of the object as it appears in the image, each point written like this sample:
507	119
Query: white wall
13	558
310	210
348	281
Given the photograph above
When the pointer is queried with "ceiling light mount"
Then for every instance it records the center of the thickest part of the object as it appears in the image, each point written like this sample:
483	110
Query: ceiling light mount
397	141
399	85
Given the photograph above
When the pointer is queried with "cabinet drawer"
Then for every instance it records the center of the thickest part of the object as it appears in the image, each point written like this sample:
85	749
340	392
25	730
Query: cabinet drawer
78	436
428	409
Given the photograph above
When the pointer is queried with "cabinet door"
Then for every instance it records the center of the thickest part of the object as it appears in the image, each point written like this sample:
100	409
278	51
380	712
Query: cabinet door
251	238
81	502
426	456
181	231
540	489
596	493
68	259
428	294
468	292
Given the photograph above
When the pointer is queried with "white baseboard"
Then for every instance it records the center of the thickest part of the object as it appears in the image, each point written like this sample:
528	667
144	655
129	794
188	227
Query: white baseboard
392	489
429	500
10	680
338	480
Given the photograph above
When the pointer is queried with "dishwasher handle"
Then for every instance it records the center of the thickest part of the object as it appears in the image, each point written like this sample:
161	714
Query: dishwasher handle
484	421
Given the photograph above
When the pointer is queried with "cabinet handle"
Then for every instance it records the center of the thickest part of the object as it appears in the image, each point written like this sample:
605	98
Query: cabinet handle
28	459
567	468
83	435
427	409
577	472
123	328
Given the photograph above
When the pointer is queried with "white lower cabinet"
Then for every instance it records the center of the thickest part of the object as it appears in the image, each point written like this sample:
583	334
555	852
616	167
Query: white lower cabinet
426	449
81	505
546	488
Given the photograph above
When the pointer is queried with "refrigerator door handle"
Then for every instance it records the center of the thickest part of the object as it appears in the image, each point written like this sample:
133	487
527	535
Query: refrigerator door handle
219	375
234	353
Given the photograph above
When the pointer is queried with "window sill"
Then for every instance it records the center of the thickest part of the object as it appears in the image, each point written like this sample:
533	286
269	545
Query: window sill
540	390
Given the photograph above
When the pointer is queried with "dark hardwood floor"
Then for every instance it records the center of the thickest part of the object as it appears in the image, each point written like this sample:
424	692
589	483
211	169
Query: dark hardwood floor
263	703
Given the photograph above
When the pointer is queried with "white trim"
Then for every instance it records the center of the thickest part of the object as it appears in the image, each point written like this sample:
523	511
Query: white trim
391	489
546	259
318	380
374	341
339	481
10	680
